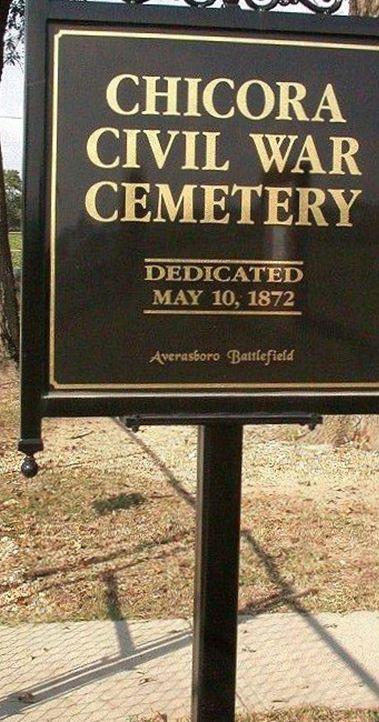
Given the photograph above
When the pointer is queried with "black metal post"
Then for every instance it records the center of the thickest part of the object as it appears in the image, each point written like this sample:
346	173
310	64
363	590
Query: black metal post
216	576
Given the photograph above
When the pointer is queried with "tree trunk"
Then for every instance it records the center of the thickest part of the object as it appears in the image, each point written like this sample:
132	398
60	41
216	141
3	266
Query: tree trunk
9	317
364	7
4	9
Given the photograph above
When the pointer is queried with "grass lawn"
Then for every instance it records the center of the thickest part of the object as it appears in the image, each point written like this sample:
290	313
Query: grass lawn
294	715
106	530
15	240
316	715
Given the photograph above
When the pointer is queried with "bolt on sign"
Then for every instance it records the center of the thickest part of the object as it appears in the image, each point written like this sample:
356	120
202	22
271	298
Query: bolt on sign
201	212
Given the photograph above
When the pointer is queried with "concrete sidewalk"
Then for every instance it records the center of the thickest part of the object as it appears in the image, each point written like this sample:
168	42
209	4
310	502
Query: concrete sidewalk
115	671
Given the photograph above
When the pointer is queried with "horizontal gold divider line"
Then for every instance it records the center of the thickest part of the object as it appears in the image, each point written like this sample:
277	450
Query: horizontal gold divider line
231	38
220	260
225	313
241	385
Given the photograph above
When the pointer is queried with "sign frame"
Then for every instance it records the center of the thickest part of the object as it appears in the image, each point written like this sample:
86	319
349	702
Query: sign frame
187	407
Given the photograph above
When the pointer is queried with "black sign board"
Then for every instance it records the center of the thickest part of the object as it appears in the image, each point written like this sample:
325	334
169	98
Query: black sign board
201	213
200	245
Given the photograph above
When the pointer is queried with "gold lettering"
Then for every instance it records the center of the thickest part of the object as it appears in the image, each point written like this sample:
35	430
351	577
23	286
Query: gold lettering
217	275
162	298
93	149
173	273
211	139
211	203
343	206
274	275
131	201
286	101
275	204
246	198
112	94
91	202
269	99
185	198
154	272
131	148
275	143
192	97
292	274
190	150
152	94
160	155
208	97
309	154
340	155
240	275
306	206
329	102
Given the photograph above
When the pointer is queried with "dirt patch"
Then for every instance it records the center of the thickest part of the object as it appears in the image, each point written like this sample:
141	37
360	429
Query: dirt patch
107	527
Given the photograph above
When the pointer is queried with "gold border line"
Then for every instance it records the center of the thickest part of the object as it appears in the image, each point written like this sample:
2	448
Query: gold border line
274	385
220	260
53	207
53	211
216	39
174	311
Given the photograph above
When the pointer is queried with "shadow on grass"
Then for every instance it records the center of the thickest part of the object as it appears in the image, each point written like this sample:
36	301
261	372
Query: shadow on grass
130	657
88	564
115	503
287	594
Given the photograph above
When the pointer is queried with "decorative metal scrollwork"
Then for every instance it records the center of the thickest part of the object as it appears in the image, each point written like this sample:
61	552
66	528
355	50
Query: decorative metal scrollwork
324	7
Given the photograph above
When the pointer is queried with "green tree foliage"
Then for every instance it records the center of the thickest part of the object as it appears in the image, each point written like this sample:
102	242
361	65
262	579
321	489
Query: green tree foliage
14	32
13	193
11	35
12	14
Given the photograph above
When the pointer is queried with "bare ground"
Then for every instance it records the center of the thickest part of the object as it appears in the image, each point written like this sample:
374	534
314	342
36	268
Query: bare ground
107	527
294	715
